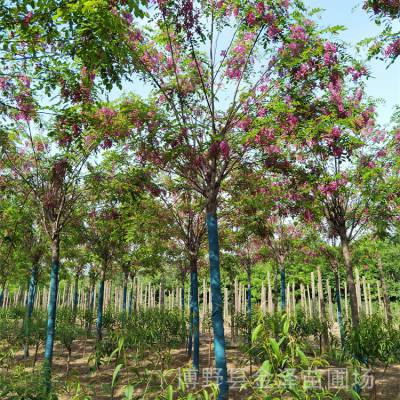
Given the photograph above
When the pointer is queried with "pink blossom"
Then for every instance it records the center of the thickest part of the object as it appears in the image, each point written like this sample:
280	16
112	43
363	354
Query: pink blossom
272	149
260	7
261	112
267	133
302	72
393	50
330	53
251	18
108	112
298	33
225	149
3	83
273	31
25	81
244	124
336	132
337	151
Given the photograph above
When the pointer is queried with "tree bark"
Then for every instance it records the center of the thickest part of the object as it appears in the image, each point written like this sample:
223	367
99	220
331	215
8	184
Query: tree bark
29	307
339	305
2	294
52	310
125	293
217	306
249	304
194	306
76	297
350	281
100	304
283	285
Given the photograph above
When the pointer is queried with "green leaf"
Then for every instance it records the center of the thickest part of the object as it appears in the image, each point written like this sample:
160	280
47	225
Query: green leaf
115	374
285	329
129	392
170	393
275	346
303	358
256	332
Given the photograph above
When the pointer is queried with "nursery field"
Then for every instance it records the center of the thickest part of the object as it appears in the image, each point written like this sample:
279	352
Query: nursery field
199	200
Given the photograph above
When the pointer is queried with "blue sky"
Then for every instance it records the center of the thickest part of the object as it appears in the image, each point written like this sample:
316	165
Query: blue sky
385	82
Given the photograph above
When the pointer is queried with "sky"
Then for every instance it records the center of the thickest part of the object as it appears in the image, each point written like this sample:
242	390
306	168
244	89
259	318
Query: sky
385	82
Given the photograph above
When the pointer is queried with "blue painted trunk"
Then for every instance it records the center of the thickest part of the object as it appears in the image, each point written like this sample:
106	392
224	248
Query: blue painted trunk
92	299
99	321
51	318
190	338
194	305
339	310
217	306
30	301
1	297
130	301
249	305
32	291
124	298
76	296
183	300
283	289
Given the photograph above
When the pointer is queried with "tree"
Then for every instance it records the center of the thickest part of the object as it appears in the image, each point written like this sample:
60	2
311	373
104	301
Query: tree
207	98
187	213
385	13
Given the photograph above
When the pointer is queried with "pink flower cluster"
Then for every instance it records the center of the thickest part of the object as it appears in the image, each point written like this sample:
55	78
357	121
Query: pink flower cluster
356	73
332	187
239	56
393	50
384	7
330	57
335	89
297	32
25	106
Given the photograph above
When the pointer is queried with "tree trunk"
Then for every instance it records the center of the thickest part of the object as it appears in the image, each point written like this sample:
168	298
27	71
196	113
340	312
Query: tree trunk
217	313
386	301
194	309
52	310
190	336
162	298
91	306
29	307
76	297
99	321
339	306
2	294
283	286
350	281
183	306
125	293
130	302
249	304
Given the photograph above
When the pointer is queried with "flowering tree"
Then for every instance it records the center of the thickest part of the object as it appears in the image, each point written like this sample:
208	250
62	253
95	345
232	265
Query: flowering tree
209	93
385	12
49	62
340	157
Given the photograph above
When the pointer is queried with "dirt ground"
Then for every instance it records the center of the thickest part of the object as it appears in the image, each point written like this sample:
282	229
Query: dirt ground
97	383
